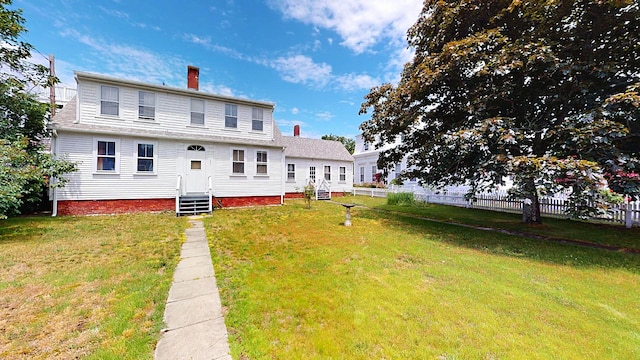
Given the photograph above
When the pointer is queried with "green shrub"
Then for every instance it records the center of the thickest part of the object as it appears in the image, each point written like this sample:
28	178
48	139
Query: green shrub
401	198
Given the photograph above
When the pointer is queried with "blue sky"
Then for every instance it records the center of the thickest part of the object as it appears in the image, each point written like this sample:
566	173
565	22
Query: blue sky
315	59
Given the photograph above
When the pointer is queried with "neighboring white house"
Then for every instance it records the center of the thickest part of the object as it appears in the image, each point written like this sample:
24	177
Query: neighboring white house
145	147
325	163
365	163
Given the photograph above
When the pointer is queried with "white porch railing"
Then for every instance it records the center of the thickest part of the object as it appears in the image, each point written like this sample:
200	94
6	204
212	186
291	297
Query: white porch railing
178	193
210	193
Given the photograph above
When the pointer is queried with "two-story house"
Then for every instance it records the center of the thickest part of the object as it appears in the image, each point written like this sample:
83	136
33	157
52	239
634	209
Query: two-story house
146	147
138	145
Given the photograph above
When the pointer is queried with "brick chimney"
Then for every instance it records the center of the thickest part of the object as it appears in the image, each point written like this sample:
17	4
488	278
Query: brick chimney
296	130
193	73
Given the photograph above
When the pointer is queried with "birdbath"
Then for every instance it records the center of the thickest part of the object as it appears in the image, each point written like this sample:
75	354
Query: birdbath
347	222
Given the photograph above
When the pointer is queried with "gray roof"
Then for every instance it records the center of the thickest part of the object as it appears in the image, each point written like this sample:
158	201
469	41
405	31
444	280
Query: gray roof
300	147
170	89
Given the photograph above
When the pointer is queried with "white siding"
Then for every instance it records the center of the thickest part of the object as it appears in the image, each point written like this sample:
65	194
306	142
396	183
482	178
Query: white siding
172	113
226	184
87	184
302	174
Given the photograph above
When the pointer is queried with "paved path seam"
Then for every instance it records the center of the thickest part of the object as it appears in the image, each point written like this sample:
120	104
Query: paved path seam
193	312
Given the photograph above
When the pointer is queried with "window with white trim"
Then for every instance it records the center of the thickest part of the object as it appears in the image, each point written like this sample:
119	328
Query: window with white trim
146	105
257	123
327	172
109	100
343	173
261	163
374	169
197	112
398	170
362	174
231	116
312	173
291	172
145	157
366	146
238	161
107	155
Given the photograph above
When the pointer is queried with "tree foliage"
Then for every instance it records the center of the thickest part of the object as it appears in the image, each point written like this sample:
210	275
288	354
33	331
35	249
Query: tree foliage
348	143
543	91
25	167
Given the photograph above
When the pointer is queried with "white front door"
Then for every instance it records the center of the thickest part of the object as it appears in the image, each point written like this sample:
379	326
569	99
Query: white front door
196	173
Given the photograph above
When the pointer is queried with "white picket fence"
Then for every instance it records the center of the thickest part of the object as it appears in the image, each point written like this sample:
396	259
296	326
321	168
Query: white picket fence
628	214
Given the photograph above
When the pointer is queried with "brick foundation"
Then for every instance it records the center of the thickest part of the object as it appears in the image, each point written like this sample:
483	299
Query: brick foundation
250	201
124	206
94	207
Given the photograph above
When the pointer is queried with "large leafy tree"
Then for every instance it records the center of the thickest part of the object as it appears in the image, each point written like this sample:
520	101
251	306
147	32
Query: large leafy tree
545	92
348	143
26	169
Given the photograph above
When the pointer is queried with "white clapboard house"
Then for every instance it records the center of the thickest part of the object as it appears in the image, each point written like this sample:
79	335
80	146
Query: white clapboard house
146	147
325	164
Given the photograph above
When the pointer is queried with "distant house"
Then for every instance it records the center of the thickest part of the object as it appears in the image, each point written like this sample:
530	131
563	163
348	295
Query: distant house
325	163
366	164
145	147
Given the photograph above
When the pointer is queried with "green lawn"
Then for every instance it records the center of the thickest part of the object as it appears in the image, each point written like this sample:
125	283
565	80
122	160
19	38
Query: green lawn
297	284
85	287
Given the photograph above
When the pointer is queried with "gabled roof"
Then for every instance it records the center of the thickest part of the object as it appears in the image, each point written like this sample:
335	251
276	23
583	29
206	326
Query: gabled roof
300	147
103	79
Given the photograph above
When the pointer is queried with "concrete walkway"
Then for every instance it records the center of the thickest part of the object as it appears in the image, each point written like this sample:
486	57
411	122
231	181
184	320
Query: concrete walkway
195	324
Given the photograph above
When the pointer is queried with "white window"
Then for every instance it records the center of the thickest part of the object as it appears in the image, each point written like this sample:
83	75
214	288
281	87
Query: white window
374	169
366	146
109	100
107	155
398	170
291	172
327	172
362	174
231	116
238	161
312	173
343	173
197	112
261	163
146	105
257	122
146	157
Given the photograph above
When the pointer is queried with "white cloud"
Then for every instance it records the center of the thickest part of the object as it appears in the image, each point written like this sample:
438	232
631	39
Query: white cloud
360	23
324	116
132	63
114	13
295	111
300	69
352	82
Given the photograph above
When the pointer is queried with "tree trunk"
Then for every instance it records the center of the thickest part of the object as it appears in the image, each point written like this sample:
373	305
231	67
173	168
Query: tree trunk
531	204
531	210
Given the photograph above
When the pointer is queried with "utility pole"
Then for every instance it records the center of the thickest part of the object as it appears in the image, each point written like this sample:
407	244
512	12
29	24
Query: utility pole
52	89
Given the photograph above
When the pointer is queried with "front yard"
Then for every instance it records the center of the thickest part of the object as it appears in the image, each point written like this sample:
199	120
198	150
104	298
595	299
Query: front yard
297	284
85	287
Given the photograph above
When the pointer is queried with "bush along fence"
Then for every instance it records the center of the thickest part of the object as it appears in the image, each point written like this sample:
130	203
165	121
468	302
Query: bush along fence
628	214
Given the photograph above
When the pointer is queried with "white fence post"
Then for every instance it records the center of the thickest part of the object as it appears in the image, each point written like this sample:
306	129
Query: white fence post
628	222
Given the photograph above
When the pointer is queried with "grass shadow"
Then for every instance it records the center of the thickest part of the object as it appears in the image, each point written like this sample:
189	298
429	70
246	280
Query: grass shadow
506	244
